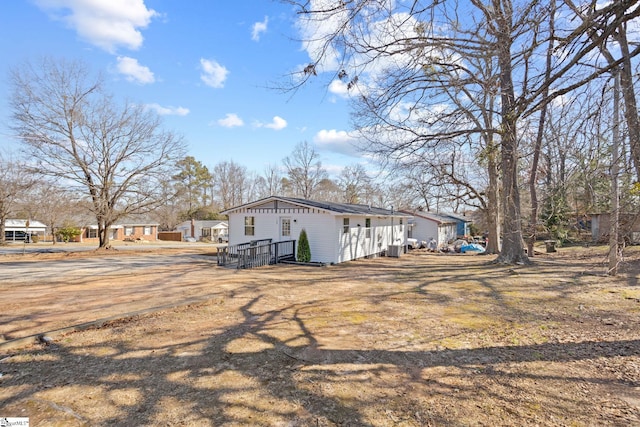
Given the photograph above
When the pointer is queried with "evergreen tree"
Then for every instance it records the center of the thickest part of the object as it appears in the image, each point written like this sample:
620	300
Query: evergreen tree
304	251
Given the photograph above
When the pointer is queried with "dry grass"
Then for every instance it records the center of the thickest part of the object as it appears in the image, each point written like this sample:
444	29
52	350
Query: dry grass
415	341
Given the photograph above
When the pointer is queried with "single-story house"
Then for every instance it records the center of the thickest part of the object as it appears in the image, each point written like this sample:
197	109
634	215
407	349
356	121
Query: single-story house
125	231
629	227
427	225
461	221
15	230
201	230
336	232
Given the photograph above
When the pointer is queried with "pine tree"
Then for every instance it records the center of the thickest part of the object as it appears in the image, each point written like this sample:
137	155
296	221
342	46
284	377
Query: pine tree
304	251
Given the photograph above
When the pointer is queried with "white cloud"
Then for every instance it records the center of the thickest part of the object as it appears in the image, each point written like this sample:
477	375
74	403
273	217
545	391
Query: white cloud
133	71
231	120
106	24
338	141
339	88
278	123
259	28
169	111
314	29
213	74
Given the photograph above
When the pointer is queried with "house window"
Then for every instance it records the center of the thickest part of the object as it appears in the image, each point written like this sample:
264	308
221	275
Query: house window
286	226
345	225
147	230
128	231
92	233
249	226
205	232
367	228
401	227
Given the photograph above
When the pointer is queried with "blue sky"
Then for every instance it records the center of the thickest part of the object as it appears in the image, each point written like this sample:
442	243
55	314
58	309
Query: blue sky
206	66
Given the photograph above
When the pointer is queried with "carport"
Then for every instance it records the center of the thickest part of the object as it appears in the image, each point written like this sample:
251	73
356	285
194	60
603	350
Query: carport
16	230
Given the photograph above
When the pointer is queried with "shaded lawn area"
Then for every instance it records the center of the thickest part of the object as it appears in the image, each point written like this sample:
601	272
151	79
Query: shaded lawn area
413	341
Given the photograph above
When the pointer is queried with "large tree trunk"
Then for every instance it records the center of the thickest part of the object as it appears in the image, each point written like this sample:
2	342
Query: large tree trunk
103	235
629	96
513	244
614	217
493	205
3	218
533	218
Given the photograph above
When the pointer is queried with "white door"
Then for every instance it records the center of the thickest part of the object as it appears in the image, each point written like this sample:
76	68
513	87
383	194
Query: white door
285	228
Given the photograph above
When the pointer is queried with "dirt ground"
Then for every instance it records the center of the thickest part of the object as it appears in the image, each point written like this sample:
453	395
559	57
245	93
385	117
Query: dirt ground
421	340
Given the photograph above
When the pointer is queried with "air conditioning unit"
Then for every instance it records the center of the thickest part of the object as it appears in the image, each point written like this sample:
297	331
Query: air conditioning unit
394	251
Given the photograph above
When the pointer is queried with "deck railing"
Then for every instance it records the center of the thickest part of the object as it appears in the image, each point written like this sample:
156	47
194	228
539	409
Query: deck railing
256	253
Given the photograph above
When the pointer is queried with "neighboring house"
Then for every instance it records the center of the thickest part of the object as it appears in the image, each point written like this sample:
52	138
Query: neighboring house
125	231
461	221
629	227
16	230
427	225
337	232
201	230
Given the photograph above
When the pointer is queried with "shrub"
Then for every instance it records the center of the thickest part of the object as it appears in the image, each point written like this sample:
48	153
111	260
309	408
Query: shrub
68	233
304	251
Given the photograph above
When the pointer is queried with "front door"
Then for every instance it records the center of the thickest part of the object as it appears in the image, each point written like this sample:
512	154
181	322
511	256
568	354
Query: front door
285	228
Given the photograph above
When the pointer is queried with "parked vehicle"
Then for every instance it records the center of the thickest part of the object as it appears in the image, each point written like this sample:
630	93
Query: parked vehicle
223	238
17	236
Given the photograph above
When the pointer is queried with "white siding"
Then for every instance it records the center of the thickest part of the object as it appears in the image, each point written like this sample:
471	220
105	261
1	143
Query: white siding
424	229
319	227
327	241
321	233
355	244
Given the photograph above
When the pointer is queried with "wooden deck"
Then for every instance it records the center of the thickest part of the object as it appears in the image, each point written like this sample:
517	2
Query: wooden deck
256	253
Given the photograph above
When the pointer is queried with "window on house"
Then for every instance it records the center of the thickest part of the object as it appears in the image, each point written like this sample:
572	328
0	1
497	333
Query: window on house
345	225
205	232
286	226
147	230
128	231
367	228
401	227
92	233
249	226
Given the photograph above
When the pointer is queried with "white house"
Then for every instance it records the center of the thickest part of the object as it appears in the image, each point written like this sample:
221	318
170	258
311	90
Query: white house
17	229
213	230
336	232
427	225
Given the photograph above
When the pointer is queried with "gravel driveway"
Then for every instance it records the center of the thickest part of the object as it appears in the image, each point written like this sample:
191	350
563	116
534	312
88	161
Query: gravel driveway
42	295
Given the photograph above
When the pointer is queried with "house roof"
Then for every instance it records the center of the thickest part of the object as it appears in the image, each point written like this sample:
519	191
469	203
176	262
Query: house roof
204	224
338	208
456	217
22	223
440	219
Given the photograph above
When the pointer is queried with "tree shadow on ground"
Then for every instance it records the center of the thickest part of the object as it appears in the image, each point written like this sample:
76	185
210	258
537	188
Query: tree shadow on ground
280	378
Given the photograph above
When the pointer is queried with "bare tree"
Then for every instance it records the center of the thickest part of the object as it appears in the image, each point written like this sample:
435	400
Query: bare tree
328	190
304	170
405	57
600	35
169	212
354	183
53	205
231	184
537	147
15	181
117	154
270	182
